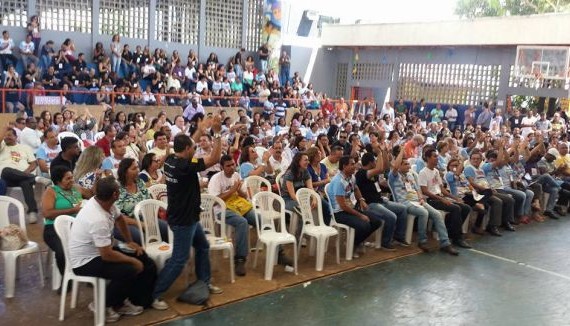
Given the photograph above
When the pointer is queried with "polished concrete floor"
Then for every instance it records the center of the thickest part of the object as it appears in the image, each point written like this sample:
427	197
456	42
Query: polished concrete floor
522	278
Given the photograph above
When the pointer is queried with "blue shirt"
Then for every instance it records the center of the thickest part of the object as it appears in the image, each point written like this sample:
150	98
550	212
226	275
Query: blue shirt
404	188
245	169
341	186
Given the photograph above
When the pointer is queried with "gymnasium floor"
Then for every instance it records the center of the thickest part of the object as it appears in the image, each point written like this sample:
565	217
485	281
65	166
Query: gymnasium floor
522	278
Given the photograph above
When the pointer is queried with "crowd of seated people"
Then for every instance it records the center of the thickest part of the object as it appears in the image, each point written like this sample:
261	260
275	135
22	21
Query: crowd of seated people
379	168
379	164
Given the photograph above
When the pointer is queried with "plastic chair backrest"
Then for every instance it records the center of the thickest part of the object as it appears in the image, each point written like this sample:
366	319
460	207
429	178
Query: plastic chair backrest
64	134
210	206
254	185
278	181
148	210
98	136
327	188
158	192
304	198
264	205
260	151
5	203
62	227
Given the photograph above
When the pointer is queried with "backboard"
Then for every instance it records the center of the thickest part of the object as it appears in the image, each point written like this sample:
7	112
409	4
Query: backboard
543	62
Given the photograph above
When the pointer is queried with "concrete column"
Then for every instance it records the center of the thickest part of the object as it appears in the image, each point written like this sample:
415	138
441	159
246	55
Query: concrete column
202	31
244	30
151	21
95	23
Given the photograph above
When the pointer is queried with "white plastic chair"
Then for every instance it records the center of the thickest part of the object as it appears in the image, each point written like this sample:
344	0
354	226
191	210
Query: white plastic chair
158	192
62	228
319	231
149	144
98	136
11	257
218	241
266	215
255	184
158	250
349	231
260	151
64	134
294	216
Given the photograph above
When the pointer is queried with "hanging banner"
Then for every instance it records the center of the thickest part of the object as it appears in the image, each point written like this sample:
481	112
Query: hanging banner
271	32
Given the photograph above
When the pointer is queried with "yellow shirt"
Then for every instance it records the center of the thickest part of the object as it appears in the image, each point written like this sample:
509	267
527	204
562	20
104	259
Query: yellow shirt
17	157
562	160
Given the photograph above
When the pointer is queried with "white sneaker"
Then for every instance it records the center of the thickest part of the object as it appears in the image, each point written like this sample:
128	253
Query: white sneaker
159	304
130	309
33	217
214	289
43	180
111	315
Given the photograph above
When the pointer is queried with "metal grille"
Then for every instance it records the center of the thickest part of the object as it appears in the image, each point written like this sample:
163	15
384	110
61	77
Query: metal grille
127	18
341	79
372	71
254	24
14	13
224	23
177	21
449	83
65	15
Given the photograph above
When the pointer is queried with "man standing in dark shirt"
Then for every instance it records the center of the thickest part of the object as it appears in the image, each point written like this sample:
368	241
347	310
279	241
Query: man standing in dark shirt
263	53
393	214
183	189
516	120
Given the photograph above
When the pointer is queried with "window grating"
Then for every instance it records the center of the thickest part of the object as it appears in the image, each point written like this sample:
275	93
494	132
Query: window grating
65	15
224	23
14	13
177	21
465	84
372	71
341	79
127	18
254	24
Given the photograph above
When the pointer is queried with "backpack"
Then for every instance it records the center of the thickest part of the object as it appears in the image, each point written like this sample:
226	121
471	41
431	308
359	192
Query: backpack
197	293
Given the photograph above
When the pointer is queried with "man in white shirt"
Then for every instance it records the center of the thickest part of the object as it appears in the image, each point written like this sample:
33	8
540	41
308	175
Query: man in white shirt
228	185
440	198
451	116
27	51
178	127
528	123
30	136
92	253
47	151
17	167
161	148
278	161
6	47
193	108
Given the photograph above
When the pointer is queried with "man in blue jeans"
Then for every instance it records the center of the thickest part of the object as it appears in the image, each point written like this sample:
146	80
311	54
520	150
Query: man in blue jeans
393	214
349	206
183	189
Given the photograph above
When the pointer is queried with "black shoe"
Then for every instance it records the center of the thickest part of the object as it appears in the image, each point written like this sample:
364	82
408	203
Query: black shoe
493	230
424	247
462	244
284	260
450	250
240	267
552	215
509	227
477	230
516	222
388	247
402	242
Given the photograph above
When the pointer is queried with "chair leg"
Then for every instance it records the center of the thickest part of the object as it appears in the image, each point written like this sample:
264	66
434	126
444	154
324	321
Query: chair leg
410	228
256	253
64	286
74	292
295	257
10	262
349	244
101	292
379	232
270	258
338	248
41	268
232	265
321	250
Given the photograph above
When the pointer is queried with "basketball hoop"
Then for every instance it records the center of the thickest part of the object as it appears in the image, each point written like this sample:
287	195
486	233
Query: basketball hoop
537	80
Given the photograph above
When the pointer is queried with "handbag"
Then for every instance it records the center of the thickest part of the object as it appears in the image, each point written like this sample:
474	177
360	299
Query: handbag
238	204
12	237
196	293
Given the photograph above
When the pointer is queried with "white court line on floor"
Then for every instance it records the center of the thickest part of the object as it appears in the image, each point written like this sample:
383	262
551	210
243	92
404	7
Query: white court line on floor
521	264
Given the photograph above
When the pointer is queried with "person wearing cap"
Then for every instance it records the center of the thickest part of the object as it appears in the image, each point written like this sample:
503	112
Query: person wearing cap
193	108
30	136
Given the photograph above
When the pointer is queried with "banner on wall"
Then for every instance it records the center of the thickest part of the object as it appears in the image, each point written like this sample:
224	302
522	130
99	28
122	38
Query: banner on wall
271	32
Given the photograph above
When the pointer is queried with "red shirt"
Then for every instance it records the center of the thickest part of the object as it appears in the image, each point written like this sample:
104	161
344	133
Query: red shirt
105	145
